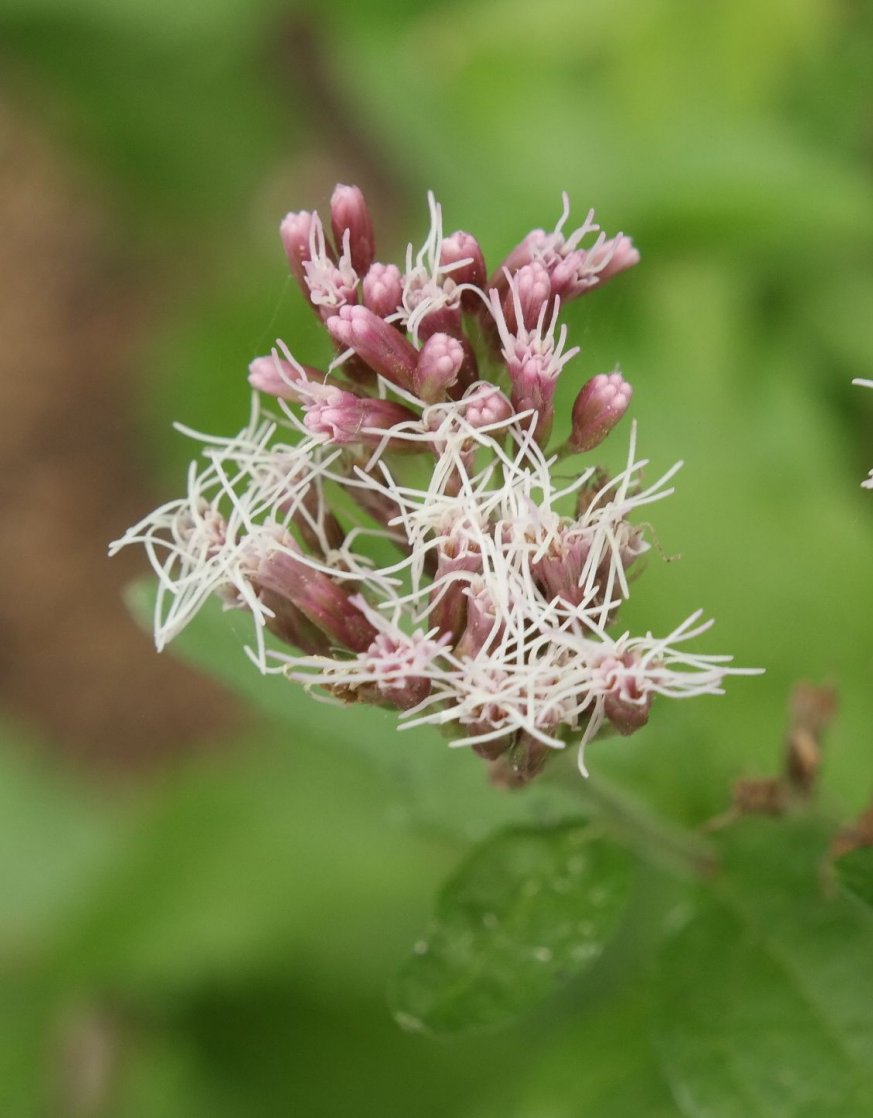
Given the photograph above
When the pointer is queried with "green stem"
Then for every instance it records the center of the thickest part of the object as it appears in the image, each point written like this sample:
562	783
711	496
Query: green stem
657	839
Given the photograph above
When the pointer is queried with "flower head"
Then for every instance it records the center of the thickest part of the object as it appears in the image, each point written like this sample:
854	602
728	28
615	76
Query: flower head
431	286
494	615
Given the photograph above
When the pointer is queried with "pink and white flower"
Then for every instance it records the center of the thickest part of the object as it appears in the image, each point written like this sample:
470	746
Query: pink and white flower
401	533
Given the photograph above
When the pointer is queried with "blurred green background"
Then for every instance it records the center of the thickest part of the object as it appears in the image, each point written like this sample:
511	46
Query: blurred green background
204	895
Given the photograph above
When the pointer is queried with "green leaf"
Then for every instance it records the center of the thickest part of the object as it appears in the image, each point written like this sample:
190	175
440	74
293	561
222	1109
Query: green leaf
600	1063
855	873
529	910
763	994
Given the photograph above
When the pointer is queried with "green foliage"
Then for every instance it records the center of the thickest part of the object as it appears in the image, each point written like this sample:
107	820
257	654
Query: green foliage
855	874
527	912
216	938
601	1062
762	1001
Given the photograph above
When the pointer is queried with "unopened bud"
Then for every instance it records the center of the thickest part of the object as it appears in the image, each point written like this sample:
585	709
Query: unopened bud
439	362
468	374
350	419
522	254
533	389
318	596
383	289
277	377
291	625
376	342
599	406
528	295
621	254
462	256
441	320
486	404
350	214
296	234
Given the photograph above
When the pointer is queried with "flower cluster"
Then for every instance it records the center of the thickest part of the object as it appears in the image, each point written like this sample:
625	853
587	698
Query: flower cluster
397	521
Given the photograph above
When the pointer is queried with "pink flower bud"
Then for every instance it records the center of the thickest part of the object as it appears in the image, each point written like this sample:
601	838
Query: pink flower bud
533	388
441	320
599	406
318	596
350	214
574	274
486	404
296	234
583	269
534	355
523	253
289	624
376	342
527	297
278	377
463	247
383	289
619	254
439	362
346	418
468	374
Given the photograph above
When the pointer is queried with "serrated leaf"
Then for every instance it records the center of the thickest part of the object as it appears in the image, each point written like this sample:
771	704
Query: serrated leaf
763	996
855	873
529	910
